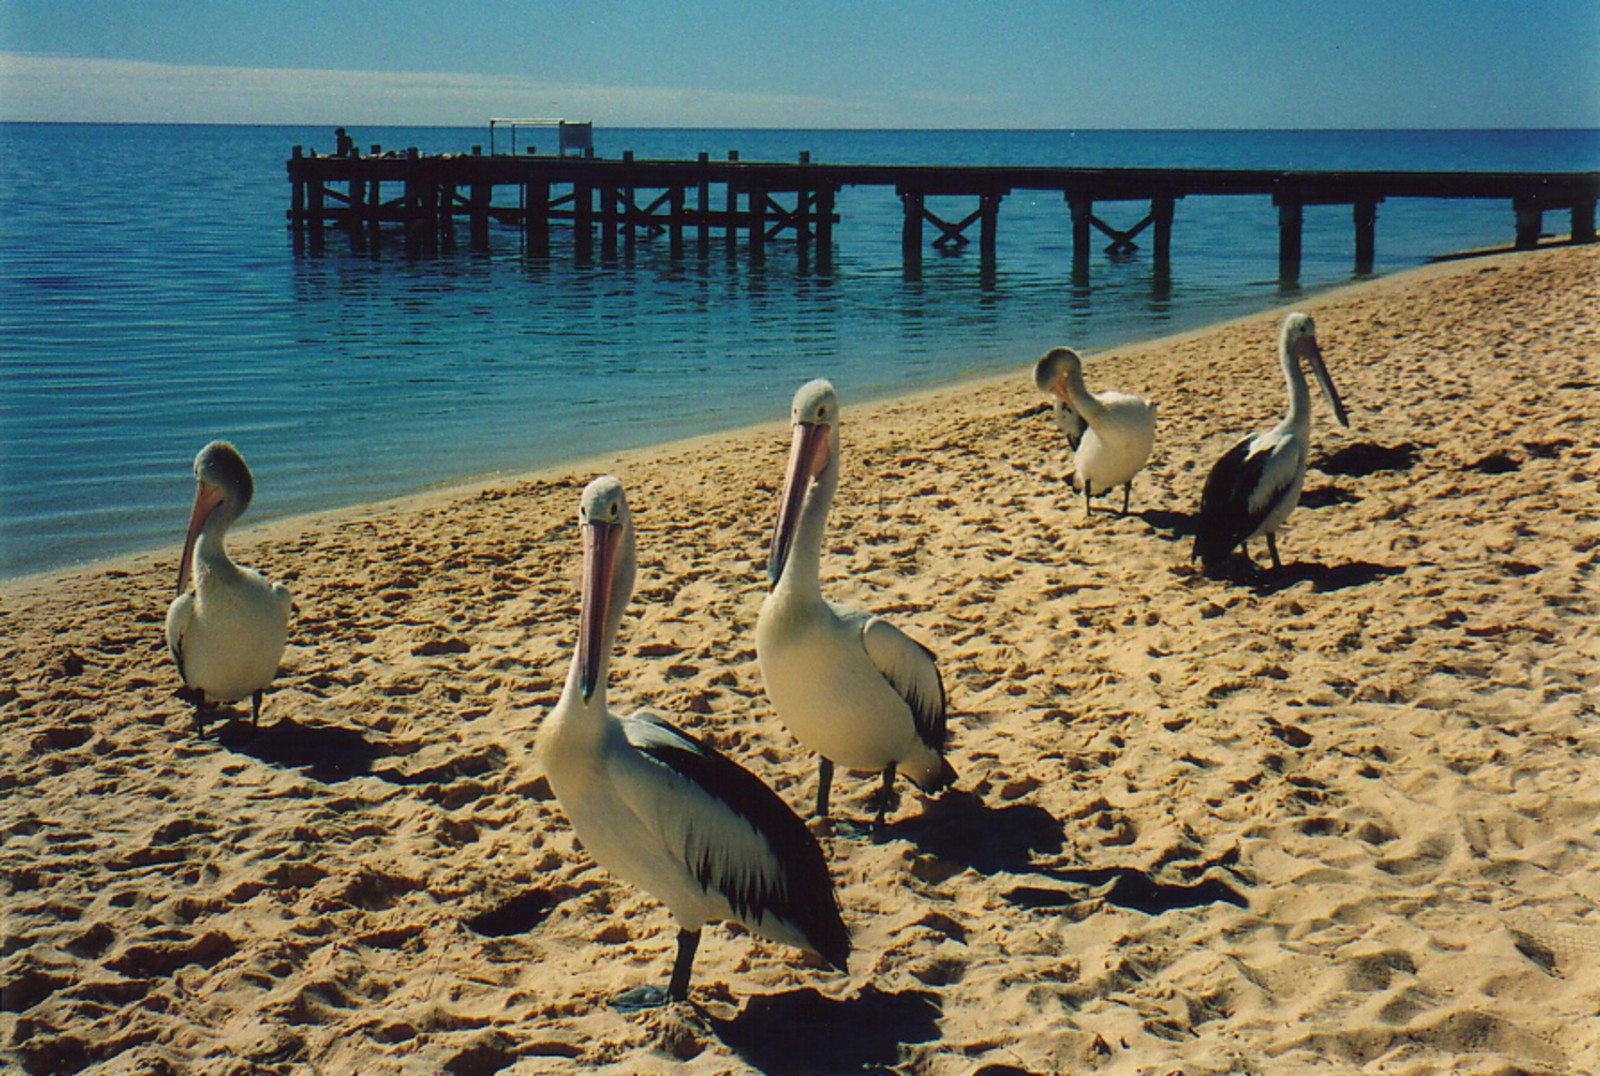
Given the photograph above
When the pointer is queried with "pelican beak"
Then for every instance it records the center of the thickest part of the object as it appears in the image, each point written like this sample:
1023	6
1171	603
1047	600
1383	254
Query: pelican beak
206	499
1314	355
807	459
600	540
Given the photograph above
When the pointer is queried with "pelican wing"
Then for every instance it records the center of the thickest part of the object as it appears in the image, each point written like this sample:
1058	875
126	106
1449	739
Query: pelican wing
180	614
913	671
1243	488
735	835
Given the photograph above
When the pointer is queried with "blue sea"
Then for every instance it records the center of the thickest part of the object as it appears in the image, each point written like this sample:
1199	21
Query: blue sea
151	299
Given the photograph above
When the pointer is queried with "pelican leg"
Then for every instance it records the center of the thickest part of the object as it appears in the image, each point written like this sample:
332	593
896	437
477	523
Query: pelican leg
824	780
885	797
688	942
1127	492
1088	505
255	709
1272	547
202	709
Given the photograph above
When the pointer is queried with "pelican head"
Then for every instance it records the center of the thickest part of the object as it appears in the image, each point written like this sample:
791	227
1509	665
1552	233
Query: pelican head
1298	344
1051	372
608	566
812	457
223	488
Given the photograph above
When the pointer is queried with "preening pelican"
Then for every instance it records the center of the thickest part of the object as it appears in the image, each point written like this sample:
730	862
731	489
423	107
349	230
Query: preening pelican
659	808
1256	484
850	685
227	634
1111	433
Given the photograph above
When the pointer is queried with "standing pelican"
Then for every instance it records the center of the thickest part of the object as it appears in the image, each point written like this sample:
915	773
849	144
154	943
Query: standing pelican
227	634
661	809
1111	433
1256	484
850	685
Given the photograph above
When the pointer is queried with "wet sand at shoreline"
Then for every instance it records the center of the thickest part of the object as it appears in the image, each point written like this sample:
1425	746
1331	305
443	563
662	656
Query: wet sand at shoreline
1343	815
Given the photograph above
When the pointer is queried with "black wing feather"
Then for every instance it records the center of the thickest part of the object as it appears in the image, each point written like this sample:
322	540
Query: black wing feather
805	894
1225	517
928	714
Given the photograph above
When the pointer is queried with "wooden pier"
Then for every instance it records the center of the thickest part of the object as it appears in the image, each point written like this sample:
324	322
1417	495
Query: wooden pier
706	202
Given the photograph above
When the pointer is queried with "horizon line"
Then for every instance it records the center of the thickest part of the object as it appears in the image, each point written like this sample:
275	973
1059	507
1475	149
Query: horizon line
807	127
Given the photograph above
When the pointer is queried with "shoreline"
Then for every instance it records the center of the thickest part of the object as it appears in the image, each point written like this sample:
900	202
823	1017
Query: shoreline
247	535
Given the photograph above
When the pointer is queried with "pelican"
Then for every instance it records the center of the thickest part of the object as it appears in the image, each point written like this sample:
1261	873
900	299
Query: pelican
227	634
850	685
664	811
1111	433
1256	484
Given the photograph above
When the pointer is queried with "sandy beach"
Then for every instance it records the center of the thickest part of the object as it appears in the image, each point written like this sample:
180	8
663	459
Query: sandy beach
1341	818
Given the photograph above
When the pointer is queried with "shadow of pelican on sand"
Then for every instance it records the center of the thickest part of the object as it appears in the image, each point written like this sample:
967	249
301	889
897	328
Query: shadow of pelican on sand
799	1032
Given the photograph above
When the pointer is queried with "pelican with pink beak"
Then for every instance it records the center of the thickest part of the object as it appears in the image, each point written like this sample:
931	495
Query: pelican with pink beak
659	808
1256	484
850	685
1111	433
227	634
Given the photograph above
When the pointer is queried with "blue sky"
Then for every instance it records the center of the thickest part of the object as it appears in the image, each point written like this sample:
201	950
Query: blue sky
822	63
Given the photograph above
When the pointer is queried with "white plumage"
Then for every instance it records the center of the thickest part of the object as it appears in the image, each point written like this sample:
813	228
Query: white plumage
850	685
228	634
659	808
1111	433
1256	484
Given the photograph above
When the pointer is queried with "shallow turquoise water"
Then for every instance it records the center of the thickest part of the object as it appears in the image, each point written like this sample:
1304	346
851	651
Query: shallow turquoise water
151	300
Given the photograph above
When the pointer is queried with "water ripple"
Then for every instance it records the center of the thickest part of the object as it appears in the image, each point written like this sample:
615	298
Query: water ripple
139	319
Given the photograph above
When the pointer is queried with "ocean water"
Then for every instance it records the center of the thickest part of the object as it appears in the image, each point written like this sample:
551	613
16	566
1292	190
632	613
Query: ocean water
151	299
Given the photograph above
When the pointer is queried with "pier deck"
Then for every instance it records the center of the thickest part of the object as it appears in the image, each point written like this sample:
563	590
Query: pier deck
622	197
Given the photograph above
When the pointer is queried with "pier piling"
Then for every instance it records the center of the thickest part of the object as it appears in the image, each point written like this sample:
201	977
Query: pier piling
1365	215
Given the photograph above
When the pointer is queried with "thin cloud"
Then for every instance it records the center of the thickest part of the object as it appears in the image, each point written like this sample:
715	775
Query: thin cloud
72	89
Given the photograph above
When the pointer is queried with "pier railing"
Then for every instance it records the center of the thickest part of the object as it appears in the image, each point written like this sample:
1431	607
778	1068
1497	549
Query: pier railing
616	200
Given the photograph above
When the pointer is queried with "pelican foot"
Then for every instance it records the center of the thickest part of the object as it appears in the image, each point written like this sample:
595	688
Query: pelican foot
640	999
820	827
850	829
1236	567
883	801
